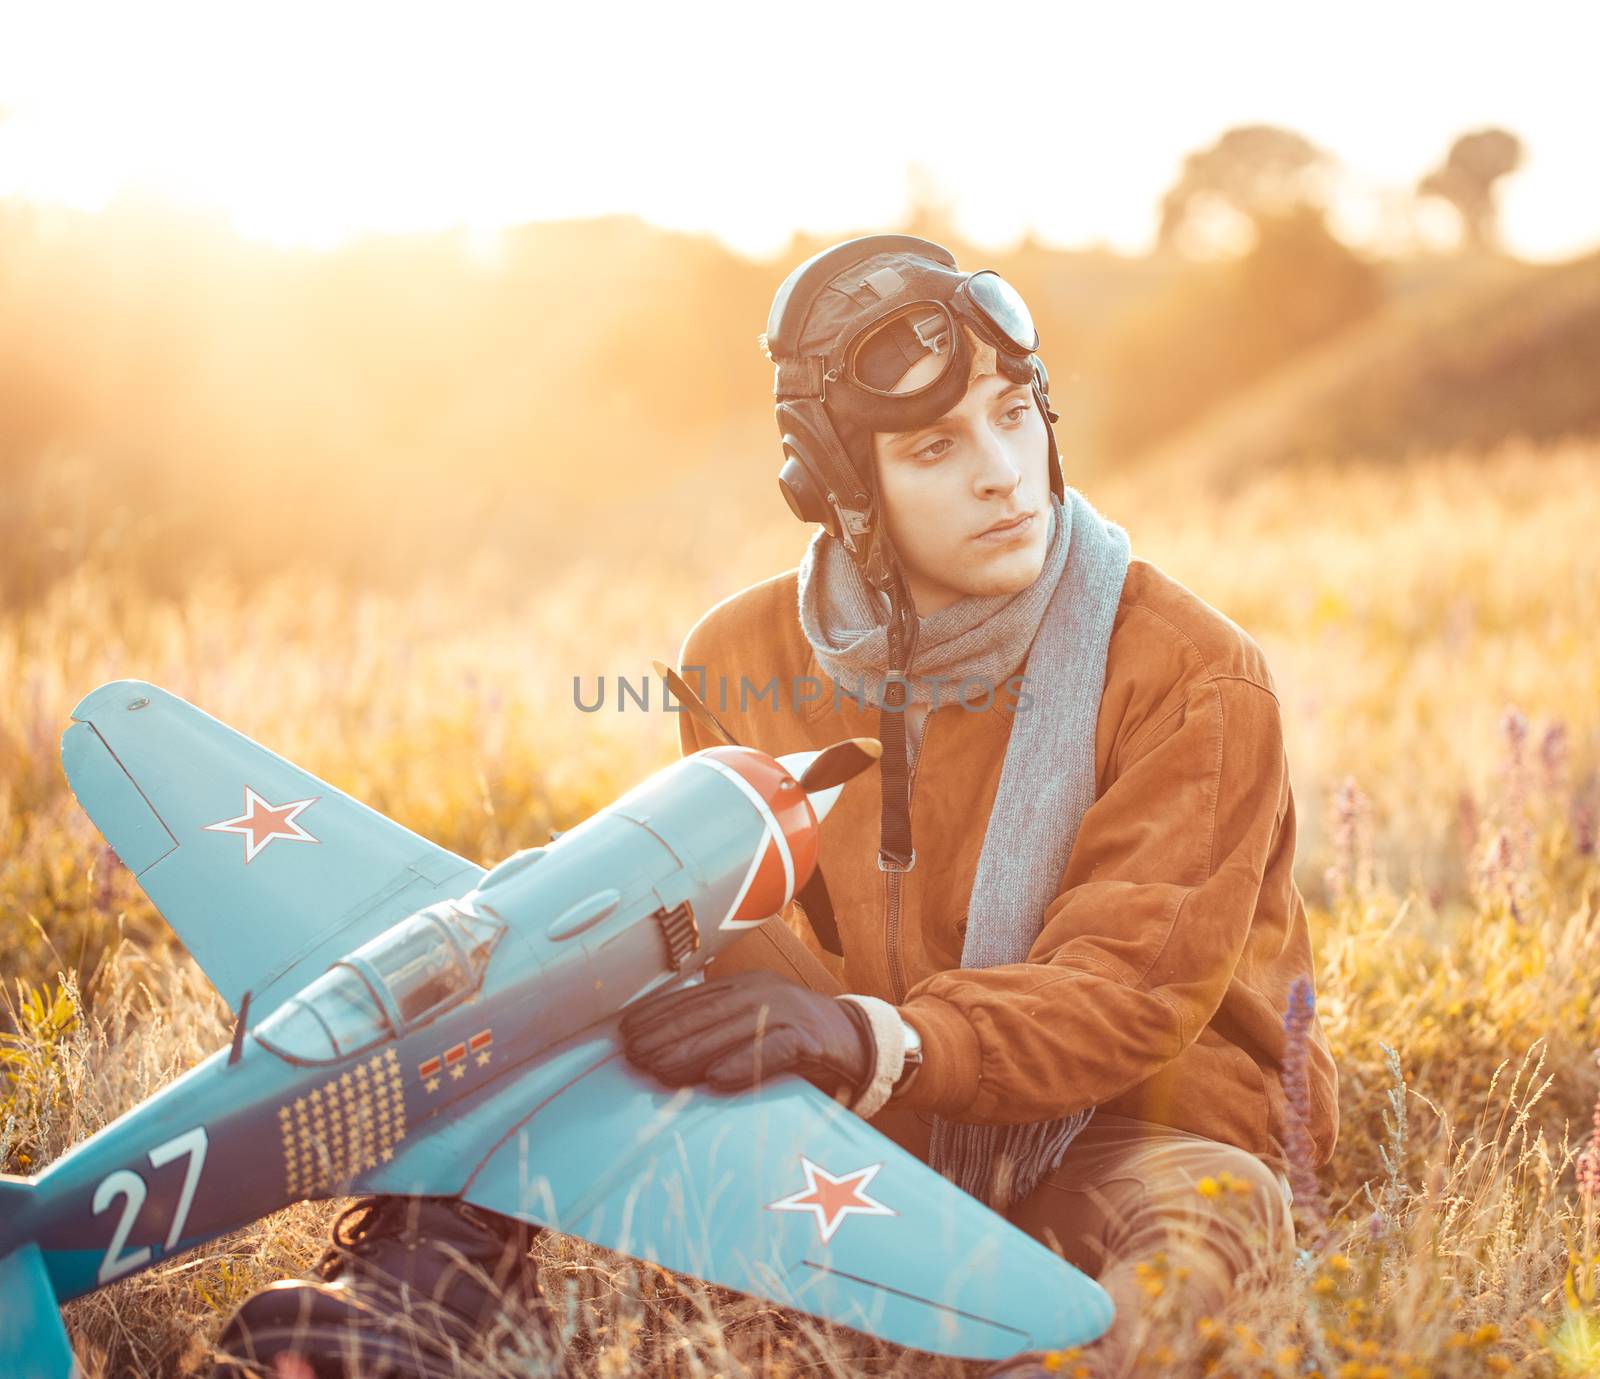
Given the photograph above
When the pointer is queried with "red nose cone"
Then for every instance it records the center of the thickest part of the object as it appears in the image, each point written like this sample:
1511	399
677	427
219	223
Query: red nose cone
791	832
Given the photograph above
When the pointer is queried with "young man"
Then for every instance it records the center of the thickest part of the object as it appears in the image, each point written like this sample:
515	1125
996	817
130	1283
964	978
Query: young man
1065	987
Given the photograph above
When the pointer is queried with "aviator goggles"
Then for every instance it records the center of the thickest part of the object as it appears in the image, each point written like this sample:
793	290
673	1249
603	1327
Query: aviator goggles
873	355
881	351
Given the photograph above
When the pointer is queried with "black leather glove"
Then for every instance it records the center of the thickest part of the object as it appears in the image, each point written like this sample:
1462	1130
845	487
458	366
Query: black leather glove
708	1033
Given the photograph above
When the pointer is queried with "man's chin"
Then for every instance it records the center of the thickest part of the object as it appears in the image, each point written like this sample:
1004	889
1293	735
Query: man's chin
1009	575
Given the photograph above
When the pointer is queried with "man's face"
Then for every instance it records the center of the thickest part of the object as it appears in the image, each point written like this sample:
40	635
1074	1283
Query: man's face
987	460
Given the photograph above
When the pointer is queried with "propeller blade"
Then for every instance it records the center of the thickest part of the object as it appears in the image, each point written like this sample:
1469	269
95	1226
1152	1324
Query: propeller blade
818	905
841	762
692	702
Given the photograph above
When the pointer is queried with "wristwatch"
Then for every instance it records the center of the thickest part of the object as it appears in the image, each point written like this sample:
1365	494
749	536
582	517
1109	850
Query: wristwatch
913	1056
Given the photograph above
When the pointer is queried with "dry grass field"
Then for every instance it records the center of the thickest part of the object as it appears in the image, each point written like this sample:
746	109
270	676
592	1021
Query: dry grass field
1432	629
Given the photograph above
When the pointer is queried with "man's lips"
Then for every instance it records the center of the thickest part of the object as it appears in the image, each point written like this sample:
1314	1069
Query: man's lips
1001	528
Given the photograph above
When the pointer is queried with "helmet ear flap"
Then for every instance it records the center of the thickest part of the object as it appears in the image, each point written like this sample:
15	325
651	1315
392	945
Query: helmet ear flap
818	479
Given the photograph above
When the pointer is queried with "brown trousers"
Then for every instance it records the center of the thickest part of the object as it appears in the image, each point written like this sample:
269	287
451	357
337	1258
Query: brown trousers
1125	1204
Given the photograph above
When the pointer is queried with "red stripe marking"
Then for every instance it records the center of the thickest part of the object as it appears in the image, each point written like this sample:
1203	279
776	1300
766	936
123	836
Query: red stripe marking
456	1054
481	1040
428	1068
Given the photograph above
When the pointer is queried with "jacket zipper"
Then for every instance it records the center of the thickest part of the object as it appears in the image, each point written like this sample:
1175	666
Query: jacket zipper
897	976
891	879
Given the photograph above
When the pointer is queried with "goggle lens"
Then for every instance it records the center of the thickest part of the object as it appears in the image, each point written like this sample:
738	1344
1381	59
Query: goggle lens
1004	307
917	338
910	350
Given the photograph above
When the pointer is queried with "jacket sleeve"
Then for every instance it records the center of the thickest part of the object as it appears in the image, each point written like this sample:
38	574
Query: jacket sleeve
1140	943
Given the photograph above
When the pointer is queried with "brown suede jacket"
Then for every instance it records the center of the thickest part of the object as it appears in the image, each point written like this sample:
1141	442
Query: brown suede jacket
1157	986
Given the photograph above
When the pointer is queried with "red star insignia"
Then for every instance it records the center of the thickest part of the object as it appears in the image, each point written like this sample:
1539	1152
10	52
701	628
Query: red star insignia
262	823
832	1198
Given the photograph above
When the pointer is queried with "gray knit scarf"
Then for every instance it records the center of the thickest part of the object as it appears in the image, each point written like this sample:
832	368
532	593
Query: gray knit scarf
1062	624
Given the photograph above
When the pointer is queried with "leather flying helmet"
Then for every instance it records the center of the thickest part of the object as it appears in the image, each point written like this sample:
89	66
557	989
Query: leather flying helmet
845	327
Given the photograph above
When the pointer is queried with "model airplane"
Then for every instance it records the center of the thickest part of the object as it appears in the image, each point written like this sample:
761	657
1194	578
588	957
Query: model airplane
407	1022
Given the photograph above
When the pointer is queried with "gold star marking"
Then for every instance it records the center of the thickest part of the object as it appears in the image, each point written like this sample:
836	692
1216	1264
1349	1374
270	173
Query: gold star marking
388	1154
432	1084
483	1059
459	1071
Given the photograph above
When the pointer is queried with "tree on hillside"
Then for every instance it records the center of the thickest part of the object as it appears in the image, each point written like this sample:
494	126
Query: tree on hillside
1257	172
1217	328
1467	178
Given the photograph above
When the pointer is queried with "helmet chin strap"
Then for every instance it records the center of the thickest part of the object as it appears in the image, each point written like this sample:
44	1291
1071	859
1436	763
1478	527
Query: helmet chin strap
895	850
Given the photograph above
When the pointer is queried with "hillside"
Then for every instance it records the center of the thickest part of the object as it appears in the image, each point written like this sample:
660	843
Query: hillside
1510	350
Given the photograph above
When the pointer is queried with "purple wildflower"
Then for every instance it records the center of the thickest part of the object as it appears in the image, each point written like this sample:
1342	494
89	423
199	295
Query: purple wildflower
1498	873
1351	869
1585	815
105	868
1554	754
1467	821
1514	729
1297	1038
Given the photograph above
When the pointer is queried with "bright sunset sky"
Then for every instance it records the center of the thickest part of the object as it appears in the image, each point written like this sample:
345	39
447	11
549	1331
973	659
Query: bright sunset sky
309	123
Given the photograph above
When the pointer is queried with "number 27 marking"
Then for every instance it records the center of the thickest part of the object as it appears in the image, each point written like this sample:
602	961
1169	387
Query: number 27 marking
130	1187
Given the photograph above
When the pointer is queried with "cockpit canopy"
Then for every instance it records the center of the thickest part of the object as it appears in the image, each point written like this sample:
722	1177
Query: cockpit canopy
404	977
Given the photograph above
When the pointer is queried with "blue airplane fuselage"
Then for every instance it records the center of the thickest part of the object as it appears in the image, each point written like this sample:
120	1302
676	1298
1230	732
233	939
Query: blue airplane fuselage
310	1107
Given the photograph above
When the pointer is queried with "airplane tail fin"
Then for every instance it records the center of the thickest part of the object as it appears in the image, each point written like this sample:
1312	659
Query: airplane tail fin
33	1342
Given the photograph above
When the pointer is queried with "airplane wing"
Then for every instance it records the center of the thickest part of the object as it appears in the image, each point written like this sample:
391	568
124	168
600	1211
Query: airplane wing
266	873
780	1192
33	1341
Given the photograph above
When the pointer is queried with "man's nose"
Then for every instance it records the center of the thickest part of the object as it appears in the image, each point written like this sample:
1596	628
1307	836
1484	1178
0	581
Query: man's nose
999	471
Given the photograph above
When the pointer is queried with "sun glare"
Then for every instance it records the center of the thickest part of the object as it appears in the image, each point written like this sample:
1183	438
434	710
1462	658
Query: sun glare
307	124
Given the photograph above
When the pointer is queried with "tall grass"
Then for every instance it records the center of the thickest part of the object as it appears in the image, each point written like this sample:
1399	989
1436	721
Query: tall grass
1431	633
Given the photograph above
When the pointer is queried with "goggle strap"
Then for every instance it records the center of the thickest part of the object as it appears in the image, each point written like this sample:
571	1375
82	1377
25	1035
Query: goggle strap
798	377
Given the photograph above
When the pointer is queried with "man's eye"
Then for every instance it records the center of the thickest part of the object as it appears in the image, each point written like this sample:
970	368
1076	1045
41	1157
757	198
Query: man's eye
928	452
1015	413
